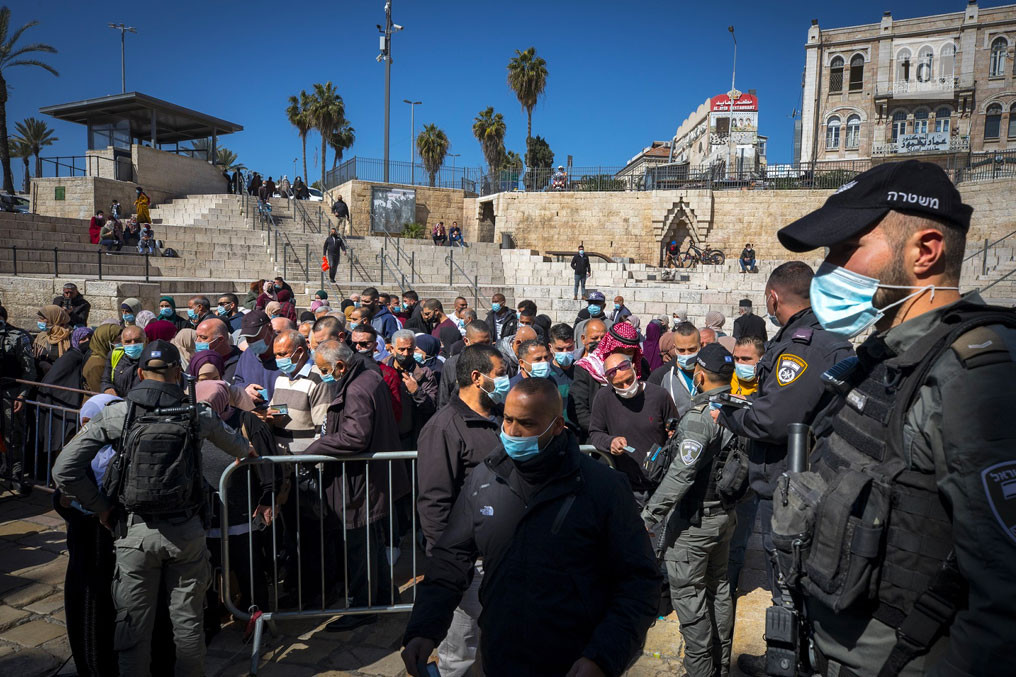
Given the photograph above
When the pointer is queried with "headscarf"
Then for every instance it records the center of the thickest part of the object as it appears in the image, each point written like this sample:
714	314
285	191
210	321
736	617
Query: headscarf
80	334
103	338
428	344
273	307
321	294
715	320
666	343
634	321
184	342
651	346
284	296
162	330
169	300
132	303
203	357
143	318
621	335
90	410
59	332
269	288
318	303
216	394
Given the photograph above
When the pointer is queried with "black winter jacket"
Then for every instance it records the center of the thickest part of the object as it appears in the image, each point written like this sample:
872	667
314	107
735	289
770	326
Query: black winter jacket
568	573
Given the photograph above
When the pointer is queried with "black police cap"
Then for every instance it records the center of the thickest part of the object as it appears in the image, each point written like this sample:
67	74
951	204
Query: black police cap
715	358
159	355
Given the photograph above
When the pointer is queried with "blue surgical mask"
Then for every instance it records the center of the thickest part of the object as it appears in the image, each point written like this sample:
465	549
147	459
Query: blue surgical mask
356	304
166	312
745	372
42	326
539	369
404	307
564	359
521	448
496	307
201	345
327	378
285	365
221	310
419	357
502	384
192	314
687	362
842	299
594	309
133	350
353	326
617	306
128	317
259	347
775	320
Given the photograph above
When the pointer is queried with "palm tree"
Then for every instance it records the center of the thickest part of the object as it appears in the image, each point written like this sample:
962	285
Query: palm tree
12	55
298	113
343	138
511	161
21	149
489	129
227	159
433	145
527	77
328	113
37	135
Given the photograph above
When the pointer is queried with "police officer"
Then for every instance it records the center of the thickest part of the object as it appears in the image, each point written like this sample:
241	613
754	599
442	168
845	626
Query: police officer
16	362
928	409
699	531
150	552
790	391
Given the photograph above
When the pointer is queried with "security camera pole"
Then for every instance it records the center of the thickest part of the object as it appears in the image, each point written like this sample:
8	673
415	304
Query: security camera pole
733	95
386	55
123	58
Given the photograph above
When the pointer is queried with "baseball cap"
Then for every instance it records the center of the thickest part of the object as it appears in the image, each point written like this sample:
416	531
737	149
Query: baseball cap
717	359
910	186
253	322
595	296
159	355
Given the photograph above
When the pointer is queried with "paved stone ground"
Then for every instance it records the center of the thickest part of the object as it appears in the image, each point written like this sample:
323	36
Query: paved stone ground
33	642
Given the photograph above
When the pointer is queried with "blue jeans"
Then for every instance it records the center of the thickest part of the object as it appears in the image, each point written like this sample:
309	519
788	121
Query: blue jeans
580	281
745	267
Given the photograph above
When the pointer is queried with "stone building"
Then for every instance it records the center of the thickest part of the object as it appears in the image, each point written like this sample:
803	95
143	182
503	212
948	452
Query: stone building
936	87
703	138
656	153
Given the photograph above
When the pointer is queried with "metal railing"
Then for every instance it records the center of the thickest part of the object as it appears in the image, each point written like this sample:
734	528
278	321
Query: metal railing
406	173
474	283
119	168
303	218
986	167
400	255
78	267
385	263
983	251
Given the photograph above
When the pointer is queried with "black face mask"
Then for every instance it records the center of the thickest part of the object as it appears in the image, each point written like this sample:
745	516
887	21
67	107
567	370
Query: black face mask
367	353
405	361
592	346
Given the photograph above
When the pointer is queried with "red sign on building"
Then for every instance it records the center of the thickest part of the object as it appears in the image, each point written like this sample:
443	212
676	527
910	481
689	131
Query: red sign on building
744	103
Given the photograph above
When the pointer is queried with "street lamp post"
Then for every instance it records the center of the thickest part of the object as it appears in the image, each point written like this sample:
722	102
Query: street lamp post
412	133
733	95
386	56
123	53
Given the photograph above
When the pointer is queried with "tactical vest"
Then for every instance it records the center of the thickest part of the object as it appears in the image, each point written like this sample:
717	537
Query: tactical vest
704	488
861	527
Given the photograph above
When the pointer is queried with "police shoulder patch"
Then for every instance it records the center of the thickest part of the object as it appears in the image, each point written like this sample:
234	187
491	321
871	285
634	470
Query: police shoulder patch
1000	489
690	451
789	368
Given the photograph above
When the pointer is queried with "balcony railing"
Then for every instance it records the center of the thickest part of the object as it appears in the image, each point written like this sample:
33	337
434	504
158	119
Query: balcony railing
935	142
936	88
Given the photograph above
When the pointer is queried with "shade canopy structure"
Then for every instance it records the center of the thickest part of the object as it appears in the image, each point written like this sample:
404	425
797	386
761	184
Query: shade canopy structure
121	119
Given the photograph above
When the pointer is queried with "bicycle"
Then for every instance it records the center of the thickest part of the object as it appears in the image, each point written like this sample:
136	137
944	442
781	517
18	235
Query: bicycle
703	255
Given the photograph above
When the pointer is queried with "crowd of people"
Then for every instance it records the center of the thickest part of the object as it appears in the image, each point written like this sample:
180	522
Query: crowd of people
115	232
539	559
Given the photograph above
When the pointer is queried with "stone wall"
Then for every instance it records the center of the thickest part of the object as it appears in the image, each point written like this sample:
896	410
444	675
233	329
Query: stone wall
24	296
84	195
432	205
176	175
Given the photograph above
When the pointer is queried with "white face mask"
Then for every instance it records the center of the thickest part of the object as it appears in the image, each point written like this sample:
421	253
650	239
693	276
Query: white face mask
629	391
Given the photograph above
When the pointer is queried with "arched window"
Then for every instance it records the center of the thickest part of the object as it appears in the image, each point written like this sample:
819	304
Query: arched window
996	67
836	74
925	61
899	124
942	119
947	62
1012	121
853	140
992	121
903	65
921	121
856	73
832	136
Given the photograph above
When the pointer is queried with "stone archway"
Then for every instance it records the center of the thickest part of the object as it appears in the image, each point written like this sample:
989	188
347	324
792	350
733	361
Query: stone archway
679	230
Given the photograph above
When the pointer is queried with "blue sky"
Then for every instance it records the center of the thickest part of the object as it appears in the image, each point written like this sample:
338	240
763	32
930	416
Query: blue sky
621	74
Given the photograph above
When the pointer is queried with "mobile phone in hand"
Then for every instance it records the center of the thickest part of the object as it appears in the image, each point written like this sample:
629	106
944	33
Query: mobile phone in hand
629	449
279	410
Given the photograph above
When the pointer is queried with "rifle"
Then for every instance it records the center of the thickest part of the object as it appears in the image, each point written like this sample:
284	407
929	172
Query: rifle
786	654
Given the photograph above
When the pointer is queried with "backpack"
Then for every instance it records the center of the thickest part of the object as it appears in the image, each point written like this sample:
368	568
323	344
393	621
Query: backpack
157	469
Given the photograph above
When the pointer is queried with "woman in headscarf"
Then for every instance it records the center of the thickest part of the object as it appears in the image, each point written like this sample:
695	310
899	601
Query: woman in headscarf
273	309
213	462
589	378
141	205
267	294
129	309
320	299
288	308
208	365
88	602
253	292
161	330
56	422
101	346
185	343
54	337
167	311
144	318
651	346
427	349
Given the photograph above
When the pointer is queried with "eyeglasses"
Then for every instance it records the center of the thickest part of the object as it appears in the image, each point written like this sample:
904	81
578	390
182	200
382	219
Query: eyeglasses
624	366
